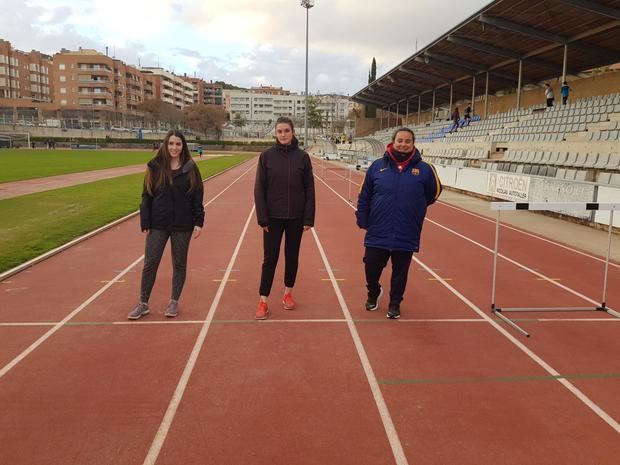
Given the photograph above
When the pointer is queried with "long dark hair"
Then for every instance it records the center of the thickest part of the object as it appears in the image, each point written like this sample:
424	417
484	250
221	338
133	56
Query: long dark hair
159	172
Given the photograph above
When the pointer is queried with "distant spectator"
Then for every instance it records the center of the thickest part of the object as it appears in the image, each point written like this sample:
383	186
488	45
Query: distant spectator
200	150
455	117
549	94
564	91
467	116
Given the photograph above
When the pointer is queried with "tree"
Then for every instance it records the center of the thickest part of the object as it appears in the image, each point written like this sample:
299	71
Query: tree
205	118
373	70
157	111
315	119
240	120
371	110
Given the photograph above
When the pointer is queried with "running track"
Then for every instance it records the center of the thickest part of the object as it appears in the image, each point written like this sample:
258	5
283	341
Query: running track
328	383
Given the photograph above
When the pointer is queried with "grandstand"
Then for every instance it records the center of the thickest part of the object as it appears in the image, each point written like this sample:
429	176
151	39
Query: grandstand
497	61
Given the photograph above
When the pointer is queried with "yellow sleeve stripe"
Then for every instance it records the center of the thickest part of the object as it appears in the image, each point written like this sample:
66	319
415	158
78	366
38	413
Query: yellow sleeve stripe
438	191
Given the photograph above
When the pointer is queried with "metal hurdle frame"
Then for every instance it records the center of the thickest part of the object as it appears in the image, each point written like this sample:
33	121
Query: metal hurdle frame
551	206
348	177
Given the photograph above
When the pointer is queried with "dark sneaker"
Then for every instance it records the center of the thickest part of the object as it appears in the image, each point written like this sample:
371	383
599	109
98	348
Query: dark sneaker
138	312
394	311
373	304
173	309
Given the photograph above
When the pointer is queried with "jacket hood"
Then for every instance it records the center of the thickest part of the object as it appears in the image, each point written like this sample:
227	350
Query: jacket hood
292	146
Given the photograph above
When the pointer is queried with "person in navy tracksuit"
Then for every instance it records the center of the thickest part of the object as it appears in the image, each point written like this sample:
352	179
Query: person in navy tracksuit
391	208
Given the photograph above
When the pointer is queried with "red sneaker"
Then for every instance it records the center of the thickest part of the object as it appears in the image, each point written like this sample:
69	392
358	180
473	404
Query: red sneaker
262	312
288	302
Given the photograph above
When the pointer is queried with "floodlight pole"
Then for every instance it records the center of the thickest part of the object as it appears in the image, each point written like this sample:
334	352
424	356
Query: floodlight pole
307	4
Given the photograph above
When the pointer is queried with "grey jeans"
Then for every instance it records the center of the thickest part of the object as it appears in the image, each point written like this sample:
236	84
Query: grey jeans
153	251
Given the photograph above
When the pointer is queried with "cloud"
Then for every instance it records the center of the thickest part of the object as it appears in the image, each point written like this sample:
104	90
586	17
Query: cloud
245	42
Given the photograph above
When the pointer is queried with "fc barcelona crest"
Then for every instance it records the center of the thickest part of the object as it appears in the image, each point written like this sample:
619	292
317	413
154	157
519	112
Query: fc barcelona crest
415	171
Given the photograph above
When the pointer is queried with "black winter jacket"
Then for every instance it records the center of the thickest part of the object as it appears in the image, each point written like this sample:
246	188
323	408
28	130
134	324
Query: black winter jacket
172	208
284	186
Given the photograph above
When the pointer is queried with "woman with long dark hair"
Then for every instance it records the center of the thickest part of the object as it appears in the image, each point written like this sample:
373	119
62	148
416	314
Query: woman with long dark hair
172	209
284	197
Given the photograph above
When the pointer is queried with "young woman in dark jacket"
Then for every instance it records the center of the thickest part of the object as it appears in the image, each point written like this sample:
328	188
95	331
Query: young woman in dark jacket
284	197
171	208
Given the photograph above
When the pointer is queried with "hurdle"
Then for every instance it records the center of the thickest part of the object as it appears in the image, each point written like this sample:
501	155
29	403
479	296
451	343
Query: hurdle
550	206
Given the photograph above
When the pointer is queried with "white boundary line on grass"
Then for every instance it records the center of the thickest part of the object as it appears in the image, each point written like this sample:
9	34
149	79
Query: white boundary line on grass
388	424
548	368
77	240
62	322
166	423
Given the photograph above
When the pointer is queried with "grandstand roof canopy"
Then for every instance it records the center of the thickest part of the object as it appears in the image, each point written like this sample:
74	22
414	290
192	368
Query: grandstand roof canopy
495	40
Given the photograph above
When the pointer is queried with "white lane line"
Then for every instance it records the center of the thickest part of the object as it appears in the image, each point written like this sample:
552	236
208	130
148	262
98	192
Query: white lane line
535	236
61	323
29	324
166	423
514	262
518	264
548	368
24	267
388	424
322	320
512	228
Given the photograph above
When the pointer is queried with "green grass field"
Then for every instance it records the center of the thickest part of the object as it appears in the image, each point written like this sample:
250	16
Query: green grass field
36	223
19	164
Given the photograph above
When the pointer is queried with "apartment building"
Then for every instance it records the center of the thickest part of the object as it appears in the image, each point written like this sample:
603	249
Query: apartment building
206	93
263	108
269	90
24	75
170	88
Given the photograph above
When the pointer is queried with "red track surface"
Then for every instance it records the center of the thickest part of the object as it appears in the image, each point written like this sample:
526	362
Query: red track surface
294	389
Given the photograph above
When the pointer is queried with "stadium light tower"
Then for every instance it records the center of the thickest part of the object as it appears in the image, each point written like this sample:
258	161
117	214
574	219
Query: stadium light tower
307	4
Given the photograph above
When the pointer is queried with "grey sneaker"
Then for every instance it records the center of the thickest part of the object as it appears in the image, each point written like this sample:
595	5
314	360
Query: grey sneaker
138	312
173	309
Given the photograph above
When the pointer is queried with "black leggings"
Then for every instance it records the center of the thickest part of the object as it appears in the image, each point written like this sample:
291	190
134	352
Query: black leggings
153	251
375	260
293	230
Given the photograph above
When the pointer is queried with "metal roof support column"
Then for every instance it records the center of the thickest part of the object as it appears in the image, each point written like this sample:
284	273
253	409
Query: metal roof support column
389	111
473	94
451	89
419	107
433	110
381	119
397	111
565	63
407	117
519	84
486	97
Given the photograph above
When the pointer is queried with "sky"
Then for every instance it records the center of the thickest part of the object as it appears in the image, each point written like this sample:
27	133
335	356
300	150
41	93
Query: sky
242	42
